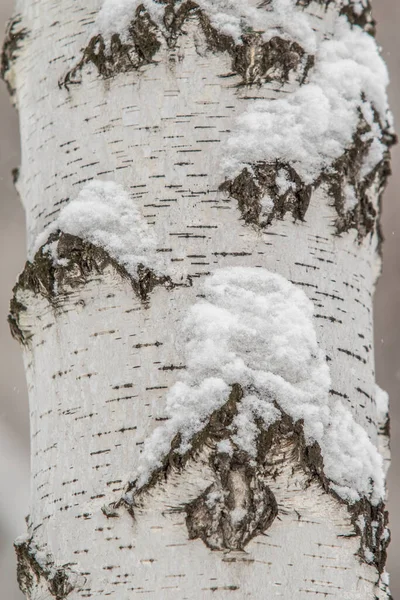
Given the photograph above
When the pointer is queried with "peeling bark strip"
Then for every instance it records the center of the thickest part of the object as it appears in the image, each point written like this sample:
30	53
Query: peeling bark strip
15	34
36	569
76	260
256	61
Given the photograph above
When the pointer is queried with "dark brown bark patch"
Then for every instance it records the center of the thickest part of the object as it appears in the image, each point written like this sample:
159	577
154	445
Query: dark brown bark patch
240	504
31	570
79	260
363	19
259	181
236	508
119	57
14	36
251	186
254	60
365	218
371	524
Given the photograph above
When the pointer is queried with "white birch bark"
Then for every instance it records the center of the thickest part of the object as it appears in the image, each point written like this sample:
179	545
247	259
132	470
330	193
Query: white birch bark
103	346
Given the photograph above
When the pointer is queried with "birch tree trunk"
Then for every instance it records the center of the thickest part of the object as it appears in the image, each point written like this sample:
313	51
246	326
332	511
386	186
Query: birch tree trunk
176	156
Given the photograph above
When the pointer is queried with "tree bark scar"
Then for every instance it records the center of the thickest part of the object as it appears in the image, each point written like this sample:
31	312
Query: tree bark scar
256	61
33	566
14	36
44	277
119	57
239	504
250	186
238	507
260	180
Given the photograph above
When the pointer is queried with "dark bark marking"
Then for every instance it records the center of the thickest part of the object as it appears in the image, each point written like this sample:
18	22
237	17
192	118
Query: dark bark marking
14	36
375	535
364	217
241	483
44	278
249	188
256	61
212	518
260	179
30	571
119	57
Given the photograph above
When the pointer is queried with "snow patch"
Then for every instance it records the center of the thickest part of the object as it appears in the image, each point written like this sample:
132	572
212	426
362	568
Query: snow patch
312	127
255	328
105	215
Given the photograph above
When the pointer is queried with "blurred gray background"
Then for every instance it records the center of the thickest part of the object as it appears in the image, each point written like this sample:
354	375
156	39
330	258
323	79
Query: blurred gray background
14	415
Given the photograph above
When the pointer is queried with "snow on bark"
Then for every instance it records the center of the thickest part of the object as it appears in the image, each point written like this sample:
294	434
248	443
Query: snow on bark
313	127
338	112
254	328
232	18
105	215
159	105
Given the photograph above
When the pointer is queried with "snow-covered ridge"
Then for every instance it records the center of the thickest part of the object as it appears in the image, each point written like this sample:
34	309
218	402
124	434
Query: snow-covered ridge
105	215
255	328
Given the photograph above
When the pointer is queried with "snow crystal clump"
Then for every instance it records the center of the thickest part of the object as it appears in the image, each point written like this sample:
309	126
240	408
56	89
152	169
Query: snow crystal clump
313	126
254	328
105	215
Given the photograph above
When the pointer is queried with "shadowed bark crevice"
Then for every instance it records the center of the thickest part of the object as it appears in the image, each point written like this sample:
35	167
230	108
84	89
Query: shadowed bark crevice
35	567
240	504
254	60
14	36
77	260
262	201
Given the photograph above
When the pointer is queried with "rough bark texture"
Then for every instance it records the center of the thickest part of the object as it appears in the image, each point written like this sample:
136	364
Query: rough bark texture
102	347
